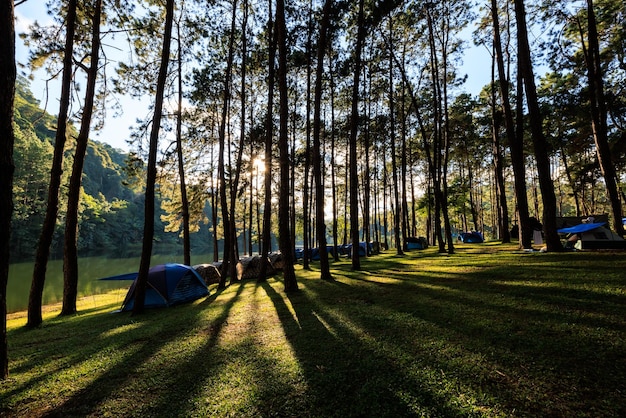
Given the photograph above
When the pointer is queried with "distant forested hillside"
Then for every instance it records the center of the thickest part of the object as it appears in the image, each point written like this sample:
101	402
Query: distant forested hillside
111	213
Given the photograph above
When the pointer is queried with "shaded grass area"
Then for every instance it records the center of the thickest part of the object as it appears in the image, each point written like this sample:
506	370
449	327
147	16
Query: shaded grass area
485	332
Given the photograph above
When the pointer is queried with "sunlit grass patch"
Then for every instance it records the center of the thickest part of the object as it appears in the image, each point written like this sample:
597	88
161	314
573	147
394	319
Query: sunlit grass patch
485	332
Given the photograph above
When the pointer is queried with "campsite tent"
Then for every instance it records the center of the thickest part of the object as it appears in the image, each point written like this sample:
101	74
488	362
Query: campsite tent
315	252
415	243
471	237
594	236
168	284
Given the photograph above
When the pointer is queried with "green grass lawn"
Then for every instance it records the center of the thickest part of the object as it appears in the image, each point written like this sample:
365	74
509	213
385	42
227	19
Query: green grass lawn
488	331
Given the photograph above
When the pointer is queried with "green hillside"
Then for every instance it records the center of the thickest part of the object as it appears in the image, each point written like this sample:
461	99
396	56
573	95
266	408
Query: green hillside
111	218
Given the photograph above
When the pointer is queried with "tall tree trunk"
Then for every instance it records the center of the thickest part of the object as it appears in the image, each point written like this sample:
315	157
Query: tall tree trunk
446	137
413	204
384	214
366	171
317	158
376	211
599	118
214	205
269	136
306	222
472	197
392	141
503	212
184	201
148	227
234	187
516	144
332	163
403	161
251	197
52	209
354	127
257	210
345	196
228	266
435	159
286	245
431	171
70	253
8	74
540	145
525	228
292	184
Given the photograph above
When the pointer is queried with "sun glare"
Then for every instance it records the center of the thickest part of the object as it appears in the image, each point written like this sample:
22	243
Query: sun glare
259	164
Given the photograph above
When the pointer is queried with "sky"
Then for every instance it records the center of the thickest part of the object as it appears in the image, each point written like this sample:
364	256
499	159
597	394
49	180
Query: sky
116	131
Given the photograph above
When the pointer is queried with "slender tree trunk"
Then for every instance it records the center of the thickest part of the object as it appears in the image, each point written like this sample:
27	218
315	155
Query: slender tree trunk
403	161
228	266
70	253
354	127
251	199
286	245
516	145
269	136
8	74
472	197
392	140
413	198
503	212
52	209
317	159
332	163
234	187
214	206
392	150
376	212
184	201
436	159
148	228
306	221
525	229
599	119
345	198
366	172
384	214
446	143
540	145
257	209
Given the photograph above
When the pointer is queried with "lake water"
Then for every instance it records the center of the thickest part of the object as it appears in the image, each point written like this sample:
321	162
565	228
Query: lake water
90	270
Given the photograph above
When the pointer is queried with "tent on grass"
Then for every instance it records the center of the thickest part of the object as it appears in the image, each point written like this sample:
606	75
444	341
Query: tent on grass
592	236
209	272
168	285
471	237
415	243
315	252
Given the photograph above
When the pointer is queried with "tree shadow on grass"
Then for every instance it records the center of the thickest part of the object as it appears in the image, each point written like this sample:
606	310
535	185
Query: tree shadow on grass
544	350
145	336
345	375
252	375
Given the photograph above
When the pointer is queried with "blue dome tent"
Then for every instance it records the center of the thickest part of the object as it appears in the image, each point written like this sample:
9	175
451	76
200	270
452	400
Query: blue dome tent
471	237
168	284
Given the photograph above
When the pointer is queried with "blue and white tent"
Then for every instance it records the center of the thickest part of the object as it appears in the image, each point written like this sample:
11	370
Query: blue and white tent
168	284
593	236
